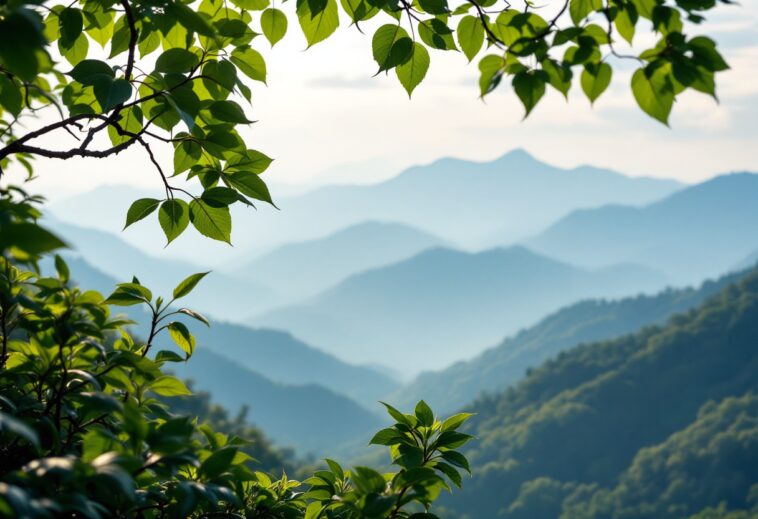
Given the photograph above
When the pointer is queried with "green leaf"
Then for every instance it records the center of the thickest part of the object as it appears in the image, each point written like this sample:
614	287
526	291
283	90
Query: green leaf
654	91
63	271
249	184
398	416
186	154
318	19
626	20
529	87
71	23
77	51
186	286
437	34
335	468
452	440
455	421
559	75
195	315
213	222
175	61
580	9
274	25
218	462
434	6
313	511
169	386
182	337
250	62
174	218
413	71
491	68
87	71
191	20
111	92
470	34
387	436
28	237
228	111
360	10
391	46
124	297
457	459
451	473
10	95
595	79
424	414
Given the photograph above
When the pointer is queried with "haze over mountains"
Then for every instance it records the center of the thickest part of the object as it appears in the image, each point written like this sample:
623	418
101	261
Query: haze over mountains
301	270
444	305
699	232
501	367
463	202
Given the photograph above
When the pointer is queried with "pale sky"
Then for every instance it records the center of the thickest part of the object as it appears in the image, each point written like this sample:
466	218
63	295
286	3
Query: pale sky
326	120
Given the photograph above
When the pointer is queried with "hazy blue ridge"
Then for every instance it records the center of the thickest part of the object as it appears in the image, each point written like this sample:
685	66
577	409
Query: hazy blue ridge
444	305
463	202
301	270
697	233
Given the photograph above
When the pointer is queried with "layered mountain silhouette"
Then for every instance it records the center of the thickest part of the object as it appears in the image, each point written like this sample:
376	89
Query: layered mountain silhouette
221	295
301	270
444	305
463	202
503	366
699	232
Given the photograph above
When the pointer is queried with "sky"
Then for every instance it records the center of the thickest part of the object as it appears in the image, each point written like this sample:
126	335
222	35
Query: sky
325	119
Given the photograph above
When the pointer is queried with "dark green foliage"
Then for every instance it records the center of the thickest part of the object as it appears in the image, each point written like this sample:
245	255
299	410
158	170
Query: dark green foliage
577	427
87	428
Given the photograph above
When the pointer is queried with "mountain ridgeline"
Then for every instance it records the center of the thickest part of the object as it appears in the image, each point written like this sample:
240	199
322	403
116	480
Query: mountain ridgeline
593	320
463	202
441	305
662	424
694	234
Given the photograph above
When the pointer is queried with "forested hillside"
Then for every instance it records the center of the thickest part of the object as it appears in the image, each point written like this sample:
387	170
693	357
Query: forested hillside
588	433
502	366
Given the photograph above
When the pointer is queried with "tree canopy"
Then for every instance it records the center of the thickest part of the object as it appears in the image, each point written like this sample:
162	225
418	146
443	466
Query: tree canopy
175	73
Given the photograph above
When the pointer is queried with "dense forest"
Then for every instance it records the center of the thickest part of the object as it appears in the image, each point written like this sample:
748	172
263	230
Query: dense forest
658	424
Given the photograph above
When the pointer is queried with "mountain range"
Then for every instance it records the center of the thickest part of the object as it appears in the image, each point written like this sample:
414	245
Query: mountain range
444	305
301	270
222	295
463	202
501	367
699	232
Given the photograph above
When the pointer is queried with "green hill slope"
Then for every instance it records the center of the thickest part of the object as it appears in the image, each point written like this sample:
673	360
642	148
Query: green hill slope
502	366
581	419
